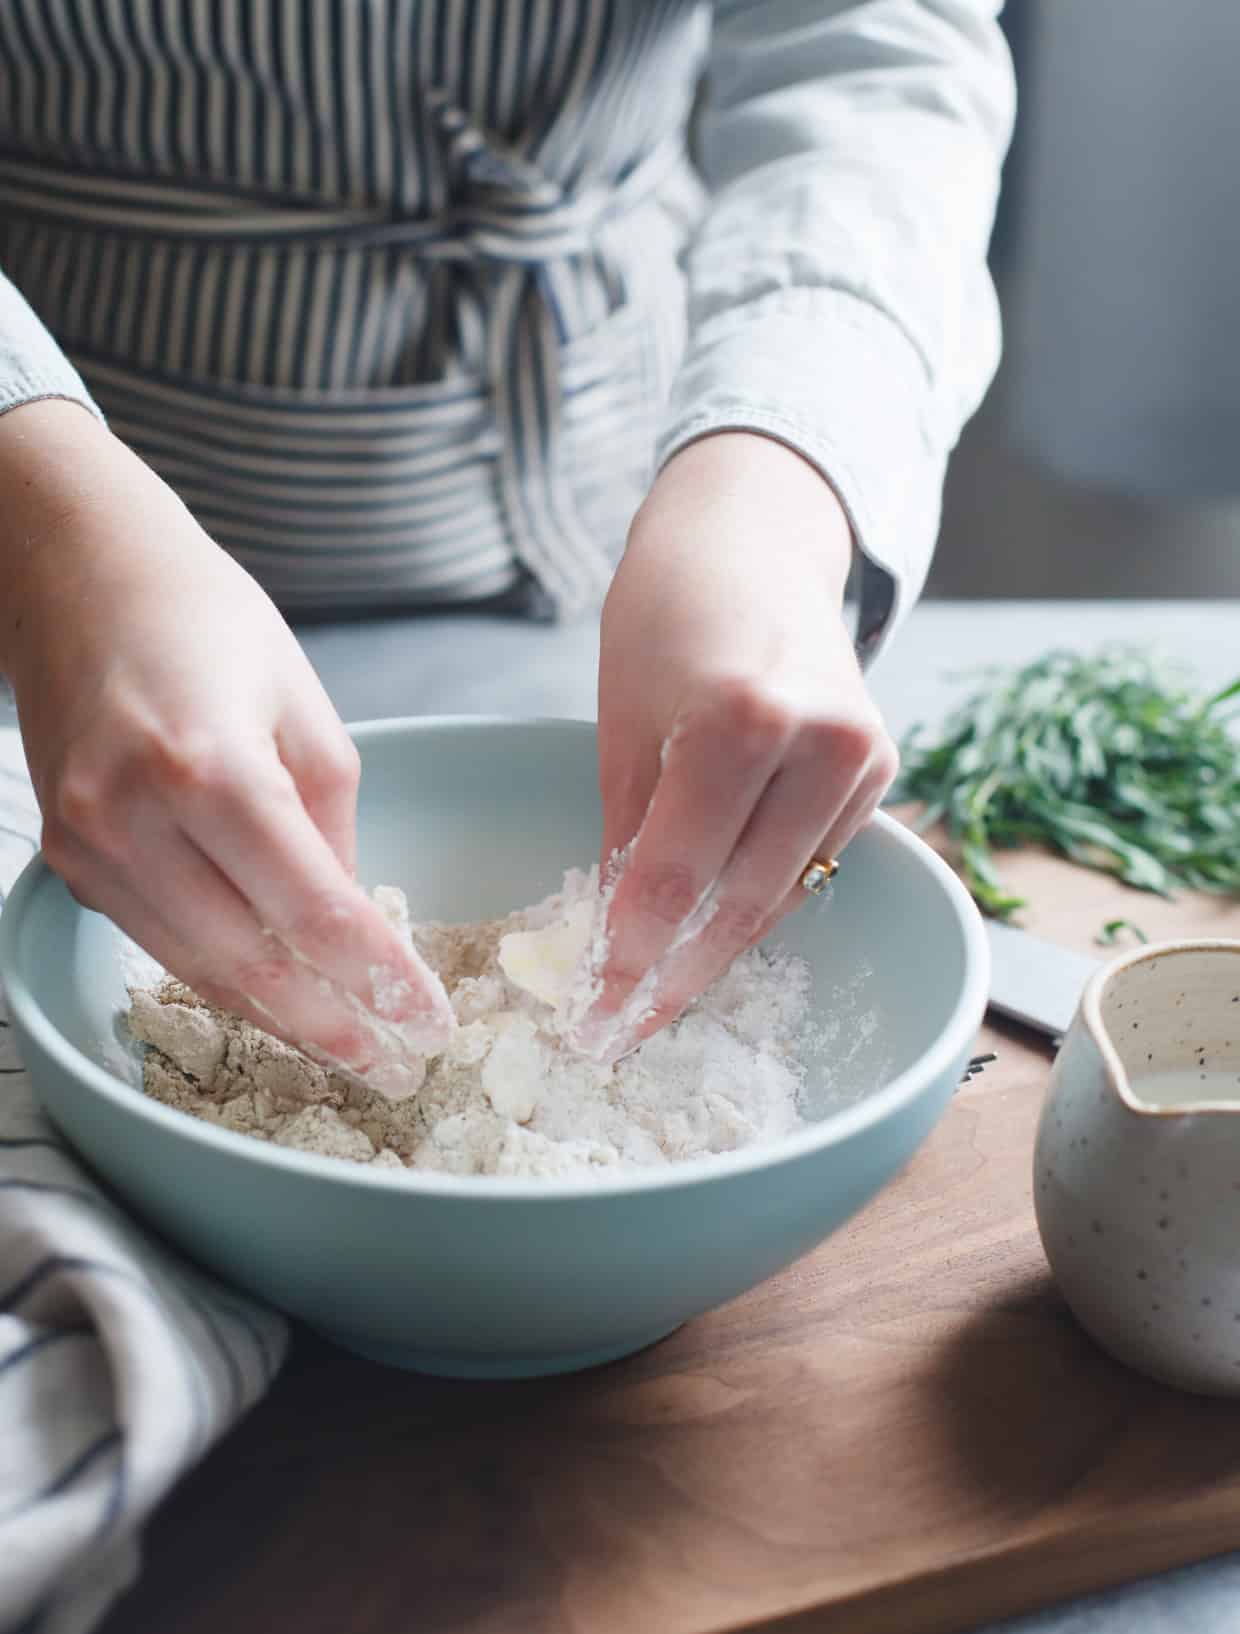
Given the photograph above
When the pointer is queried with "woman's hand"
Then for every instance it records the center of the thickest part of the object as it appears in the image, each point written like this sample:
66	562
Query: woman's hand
195	783
737	739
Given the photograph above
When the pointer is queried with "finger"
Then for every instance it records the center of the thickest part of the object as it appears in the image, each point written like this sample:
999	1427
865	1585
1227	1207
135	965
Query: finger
325	767
256	831
740	925
714	772
852	820
215	945
759	885
627	782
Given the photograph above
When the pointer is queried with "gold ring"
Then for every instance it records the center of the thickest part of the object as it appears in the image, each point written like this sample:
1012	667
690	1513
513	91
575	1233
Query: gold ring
819	874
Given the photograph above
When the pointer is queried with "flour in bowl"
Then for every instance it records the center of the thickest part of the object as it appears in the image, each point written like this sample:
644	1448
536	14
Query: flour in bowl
507	1096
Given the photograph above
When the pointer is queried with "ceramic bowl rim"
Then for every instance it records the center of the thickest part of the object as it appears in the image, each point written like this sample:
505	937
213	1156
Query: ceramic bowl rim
1091	1012
874	1109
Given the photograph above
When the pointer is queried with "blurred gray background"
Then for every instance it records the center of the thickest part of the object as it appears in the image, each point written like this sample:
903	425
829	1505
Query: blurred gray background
1106	460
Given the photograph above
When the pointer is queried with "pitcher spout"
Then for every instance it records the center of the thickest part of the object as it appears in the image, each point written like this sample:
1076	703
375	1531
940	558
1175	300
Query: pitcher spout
1165	1020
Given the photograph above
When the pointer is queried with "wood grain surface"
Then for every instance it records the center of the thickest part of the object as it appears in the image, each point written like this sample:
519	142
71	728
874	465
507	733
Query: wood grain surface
906	1433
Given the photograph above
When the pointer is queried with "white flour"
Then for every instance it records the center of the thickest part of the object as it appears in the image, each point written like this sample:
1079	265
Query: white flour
507	1096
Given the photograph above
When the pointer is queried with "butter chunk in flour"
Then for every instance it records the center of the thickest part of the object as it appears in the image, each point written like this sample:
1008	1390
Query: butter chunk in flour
507	1095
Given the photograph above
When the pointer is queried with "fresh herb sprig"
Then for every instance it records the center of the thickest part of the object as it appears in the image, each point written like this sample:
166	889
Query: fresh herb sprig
1115	928
1109	759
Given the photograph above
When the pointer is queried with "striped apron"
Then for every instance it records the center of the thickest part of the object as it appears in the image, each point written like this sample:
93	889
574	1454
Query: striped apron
387	290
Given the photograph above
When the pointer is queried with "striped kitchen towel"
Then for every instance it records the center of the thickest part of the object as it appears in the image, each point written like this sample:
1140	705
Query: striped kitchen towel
119	1365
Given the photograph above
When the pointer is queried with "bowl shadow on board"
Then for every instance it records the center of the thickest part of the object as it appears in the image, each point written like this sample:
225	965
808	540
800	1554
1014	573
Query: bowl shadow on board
1033	1414
511	1488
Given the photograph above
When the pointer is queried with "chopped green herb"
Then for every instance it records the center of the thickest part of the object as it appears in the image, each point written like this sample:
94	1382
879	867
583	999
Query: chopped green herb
1109	933
1110	760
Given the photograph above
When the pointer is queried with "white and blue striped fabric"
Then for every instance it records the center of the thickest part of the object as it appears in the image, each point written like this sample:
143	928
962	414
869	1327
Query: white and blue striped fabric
119	1365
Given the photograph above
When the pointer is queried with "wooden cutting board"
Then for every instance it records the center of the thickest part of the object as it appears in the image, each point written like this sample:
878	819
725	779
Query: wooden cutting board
906	1433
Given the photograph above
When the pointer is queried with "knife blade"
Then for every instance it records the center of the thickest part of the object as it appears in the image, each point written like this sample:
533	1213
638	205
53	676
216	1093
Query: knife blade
1035	982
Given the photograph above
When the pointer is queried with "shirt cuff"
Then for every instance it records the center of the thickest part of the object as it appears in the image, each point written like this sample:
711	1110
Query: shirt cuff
839	382
32	366
21	384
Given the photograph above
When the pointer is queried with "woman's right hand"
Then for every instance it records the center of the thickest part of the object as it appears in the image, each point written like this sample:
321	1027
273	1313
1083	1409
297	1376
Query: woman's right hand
195	782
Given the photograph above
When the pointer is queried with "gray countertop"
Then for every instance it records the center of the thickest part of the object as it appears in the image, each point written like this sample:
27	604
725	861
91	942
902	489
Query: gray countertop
461	664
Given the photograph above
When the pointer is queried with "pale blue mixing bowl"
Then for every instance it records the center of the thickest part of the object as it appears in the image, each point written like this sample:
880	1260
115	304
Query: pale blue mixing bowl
486	1277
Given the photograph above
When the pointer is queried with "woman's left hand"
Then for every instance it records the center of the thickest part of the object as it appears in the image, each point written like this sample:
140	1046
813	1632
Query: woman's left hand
737	739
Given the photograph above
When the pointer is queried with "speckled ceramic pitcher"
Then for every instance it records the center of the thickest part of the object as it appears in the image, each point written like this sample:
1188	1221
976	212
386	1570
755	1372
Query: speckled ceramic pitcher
1137	1163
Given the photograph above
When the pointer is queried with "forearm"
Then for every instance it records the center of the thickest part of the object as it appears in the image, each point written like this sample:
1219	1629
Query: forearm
53	449
797	528
59	466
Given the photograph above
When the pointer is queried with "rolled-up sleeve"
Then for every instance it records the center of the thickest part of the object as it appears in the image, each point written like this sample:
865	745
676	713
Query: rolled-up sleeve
839	298
32	365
